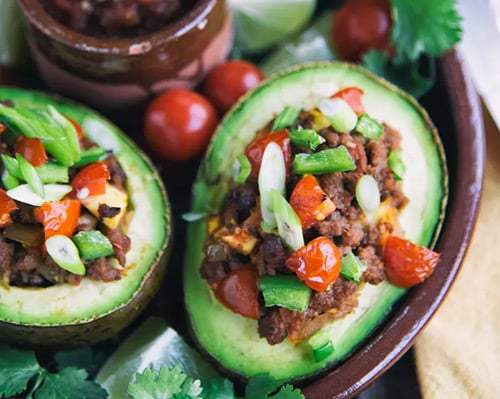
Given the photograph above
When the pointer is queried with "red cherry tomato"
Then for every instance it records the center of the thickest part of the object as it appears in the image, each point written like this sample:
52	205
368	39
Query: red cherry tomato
406	263
32	149
310	202
227	82
92	178
352	95
361	25
239	290
317	263
59	217
7	205
255	150
178	124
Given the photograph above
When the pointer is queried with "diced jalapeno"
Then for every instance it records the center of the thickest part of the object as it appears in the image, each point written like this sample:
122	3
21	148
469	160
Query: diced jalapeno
332	160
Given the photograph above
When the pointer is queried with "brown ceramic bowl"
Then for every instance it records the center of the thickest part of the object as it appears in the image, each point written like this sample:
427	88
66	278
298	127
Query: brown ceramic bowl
455	108
111	73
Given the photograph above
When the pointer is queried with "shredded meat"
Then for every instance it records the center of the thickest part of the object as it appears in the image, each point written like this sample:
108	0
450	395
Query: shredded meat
121	245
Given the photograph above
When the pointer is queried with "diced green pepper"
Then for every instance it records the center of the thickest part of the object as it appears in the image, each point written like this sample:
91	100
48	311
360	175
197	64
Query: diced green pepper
306	138
395	162
286	291
352	267
321	345
242	168
332	160
286	118
369	127
93	244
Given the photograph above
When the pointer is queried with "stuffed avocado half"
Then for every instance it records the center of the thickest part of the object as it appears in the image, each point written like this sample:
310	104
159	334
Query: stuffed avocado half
238	344
72	306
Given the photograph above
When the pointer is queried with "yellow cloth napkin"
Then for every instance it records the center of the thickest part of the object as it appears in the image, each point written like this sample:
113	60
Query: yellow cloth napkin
458	354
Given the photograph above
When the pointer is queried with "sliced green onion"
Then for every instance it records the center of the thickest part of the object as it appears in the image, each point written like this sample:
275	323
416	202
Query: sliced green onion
369	127
286	291
286	118
53	192
339	113
332	160
65	254
11	165
367	193
272	175
30	175
352	267
193	216
8	180
53	173
91	155
321	345
306	138
397	165
287	220
69	131
241	169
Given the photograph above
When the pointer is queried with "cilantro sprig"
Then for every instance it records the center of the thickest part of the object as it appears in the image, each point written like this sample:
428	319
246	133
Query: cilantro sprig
421	31
20	372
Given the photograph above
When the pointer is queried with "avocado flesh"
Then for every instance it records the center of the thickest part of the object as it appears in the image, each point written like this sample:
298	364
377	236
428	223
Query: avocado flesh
95	310
231	340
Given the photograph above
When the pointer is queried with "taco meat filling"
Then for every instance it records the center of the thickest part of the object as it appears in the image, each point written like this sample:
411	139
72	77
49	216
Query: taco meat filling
331	221
84	213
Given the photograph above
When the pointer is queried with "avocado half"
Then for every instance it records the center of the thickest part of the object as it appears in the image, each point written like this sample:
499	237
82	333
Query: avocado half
66	315
231	340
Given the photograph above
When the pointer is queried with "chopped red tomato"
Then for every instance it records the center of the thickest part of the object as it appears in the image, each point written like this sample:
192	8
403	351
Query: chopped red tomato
310	202
239	291
7	205
352	95
317	263
406	263
91	180
255	150
59	217
32	150
77	126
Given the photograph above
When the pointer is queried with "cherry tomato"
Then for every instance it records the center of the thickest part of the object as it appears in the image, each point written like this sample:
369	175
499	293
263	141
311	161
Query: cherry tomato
59	217
239	290
255	150
352	95
7	205
406	263
227	82
92	178
310	202
2	128
317	263
32	149
361	25
178	124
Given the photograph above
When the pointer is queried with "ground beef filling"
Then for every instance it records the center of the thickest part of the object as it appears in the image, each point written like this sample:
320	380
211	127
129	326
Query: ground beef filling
344	227
116	18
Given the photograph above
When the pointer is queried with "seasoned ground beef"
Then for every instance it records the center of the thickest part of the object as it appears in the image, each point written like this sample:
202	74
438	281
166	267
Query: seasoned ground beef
116	18
347	226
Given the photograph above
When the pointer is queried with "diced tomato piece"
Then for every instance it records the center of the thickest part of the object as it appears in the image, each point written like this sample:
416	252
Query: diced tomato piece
255	150
91	180
77	126
59	217
310	202
32	150
317	263
239	291
406	263
352	95
7	205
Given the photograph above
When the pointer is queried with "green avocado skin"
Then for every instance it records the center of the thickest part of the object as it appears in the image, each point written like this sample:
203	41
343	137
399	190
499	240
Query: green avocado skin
94	311
232	341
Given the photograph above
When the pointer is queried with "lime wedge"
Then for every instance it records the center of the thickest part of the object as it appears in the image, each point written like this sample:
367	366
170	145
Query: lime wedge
260	24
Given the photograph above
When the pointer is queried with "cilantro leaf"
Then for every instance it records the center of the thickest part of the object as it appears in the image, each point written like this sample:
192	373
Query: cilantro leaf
217	388
18	368
261	386
164	384
424	27
288	392
66	383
